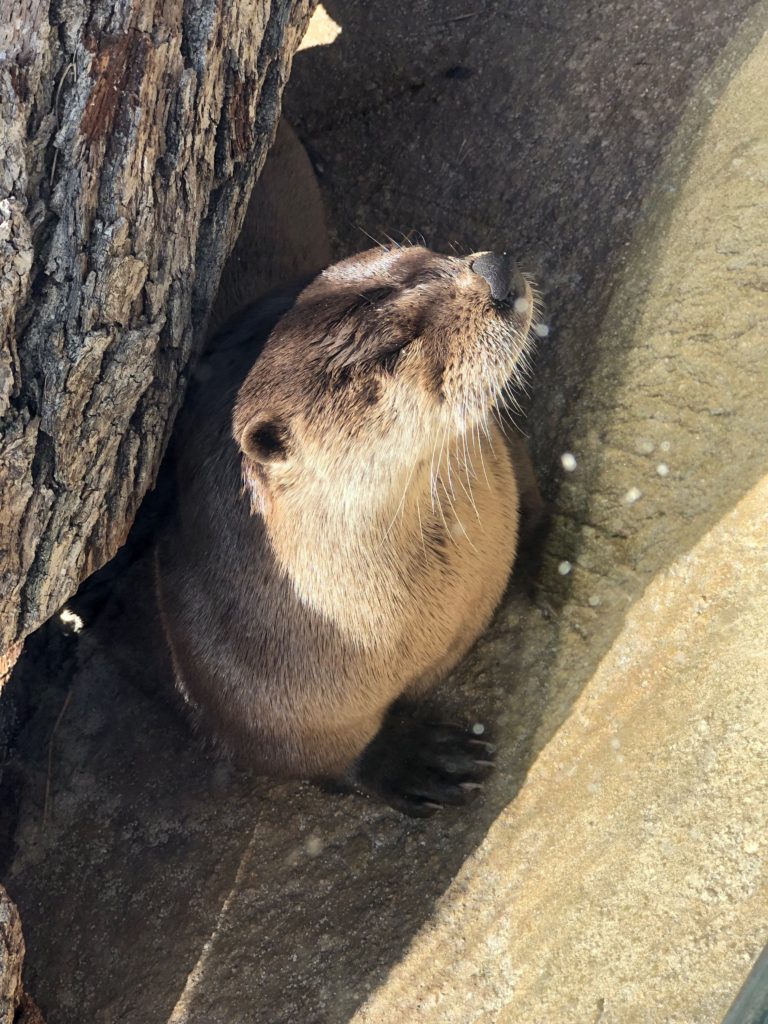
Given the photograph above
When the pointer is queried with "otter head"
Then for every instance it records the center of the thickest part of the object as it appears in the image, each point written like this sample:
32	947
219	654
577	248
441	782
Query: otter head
381	359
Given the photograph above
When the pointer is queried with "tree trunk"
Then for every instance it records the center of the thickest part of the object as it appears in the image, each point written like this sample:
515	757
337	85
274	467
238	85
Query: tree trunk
130	137
16	1007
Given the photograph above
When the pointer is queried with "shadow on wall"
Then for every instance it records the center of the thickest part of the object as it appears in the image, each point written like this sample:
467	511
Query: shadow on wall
166	886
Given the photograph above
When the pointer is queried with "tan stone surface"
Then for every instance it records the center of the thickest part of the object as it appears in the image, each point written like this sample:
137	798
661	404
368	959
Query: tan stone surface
627	883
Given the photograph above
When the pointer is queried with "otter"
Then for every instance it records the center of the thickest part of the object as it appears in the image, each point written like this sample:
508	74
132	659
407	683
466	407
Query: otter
347	518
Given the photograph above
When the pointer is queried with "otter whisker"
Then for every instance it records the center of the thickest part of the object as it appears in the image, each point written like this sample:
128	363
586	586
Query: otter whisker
499	420
448	458
475	442
408	240
473	438
468	488
486	425
438	463
479	412
421	530
512	422
451	503
469	422
442	512
434	466
432	473
458	521
511	410
468	470
483	419
401	503
481	422
522	372
479	450
369	235
466	454
510	397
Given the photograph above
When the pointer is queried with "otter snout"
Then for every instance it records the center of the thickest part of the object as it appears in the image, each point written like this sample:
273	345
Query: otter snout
501	273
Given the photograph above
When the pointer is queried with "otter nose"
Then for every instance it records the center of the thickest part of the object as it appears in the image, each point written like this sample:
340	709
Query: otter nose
501	273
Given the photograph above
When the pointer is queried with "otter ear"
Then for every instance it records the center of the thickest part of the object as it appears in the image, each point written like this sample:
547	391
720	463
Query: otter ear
265	440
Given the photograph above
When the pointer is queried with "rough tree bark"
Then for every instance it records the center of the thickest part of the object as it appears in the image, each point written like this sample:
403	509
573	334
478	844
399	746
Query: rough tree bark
131	132
16	1007
11	959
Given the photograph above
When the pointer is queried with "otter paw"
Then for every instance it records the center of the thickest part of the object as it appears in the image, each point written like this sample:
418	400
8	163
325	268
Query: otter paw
417	767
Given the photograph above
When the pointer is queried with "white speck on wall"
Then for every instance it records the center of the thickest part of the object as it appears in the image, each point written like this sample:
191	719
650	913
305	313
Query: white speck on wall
541	330
615	743
521	305
594	601
662	469
72	620
564	568
665	446
632	495
645	447
314	846
568	461
478	729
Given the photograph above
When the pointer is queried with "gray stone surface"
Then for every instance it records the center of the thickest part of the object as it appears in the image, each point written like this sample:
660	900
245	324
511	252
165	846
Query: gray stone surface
606	145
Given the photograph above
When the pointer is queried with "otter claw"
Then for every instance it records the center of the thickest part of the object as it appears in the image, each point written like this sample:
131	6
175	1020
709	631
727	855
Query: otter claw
418	767
489	748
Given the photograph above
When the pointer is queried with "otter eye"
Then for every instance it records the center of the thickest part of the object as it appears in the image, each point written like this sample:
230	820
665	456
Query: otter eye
265	440
377	294
389	359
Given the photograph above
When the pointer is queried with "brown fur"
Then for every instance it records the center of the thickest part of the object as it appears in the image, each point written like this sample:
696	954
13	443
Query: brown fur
347	510
356	557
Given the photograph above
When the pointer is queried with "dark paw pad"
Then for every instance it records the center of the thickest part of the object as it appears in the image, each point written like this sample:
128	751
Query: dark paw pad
417	767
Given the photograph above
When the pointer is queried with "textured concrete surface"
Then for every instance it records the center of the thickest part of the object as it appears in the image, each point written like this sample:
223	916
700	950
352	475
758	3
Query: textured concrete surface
623	152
